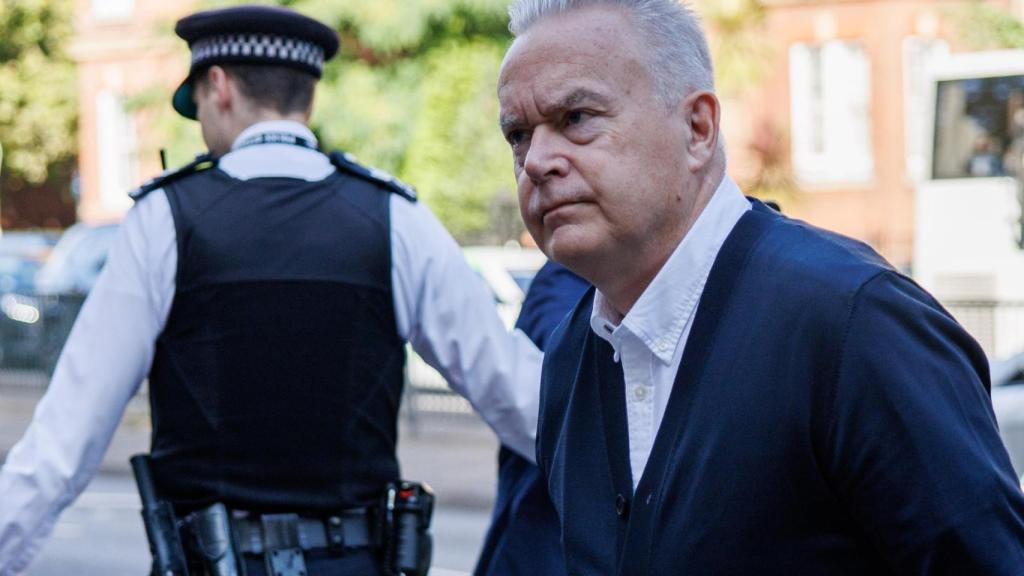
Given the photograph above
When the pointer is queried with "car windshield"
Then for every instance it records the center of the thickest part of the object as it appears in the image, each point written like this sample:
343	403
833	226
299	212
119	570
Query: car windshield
76	260
10	264
26	243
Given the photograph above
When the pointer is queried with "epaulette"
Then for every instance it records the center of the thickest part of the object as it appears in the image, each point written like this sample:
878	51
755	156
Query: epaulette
346	162
202	162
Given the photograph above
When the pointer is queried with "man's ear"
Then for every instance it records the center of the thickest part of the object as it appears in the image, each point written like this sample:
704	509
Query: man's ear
703	113
219	84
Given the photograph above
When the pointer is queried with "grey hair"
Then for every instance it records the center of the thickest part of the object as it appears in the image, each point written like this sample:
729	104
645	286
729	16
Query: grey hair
680	59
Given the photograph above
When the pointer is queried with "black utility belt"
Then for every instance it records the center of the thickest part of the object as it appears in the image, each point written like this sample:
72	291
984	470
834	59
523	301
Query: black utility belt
397	530
348	530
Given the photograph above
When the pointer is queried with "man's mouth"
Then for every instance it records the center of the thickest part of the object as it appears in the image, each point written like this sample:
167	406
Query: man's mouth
554	208
557	213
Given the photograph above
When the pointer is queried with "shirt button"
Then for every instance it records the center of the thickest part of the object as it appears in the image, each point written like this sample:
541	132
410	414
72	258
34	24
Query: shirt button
621	506
640	392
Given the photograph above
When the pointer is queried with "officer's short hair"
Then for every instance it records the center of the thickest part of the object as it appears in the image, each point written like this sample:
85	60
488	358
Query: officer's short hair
280	88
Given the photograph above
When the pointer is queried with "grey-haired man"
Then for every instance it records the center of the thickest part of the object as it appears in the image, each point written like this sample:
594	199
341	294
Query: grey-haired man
743	393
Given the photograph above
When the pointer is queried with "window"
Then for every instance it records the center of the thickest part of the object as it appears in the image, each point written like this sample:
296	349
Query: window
118	152
979	127
919	55
112	9
830	93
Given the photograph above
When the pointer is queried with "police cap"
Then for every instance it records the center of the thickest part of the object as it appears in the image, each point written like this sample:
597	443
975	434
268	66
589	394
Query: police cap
252	35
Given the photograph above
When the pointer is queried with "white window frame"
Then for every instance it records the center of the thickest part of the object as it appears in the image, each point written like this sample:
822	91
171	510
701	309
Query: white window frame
830	113
920	56
112	10
117	148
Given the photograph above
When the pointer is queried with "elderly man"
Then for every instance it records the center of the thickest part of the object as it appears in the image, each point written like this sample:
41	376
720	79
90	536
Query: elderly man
742	393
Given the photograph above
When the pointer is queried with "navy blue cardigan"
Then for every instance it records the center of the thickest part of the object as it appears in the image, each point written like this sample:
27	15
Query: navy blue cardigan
828	417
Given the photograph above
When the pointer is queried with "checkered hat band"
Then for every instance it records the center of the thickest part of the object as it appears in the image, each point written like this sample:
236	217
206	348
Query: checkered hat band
257	47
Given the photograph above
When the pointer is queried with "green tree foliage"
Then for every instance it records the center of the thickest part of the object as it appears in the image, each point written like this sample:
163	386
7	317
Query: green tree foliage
457	155
985	27
38	107
179	139
742	57
739	49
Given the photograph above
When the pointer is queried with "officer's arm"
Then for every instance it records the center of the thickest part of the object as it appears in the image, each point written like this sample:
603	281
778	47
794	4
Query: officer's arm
103	362
447	313
913	451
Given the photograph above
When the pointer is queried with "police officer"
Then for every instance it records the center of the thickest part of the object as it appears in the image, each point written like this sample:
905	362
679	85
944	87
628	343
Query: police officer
267	292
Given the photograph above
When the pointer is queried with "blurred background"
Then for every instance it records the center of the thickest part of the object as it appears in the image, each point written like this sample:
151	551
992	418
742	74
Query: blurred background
897	122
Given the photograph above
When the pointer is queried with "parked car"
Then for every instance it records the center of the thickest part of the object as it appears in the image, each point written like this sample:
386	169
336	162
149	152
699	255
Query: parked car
45	314
1008	403
27	241
22	255
76	261
508	272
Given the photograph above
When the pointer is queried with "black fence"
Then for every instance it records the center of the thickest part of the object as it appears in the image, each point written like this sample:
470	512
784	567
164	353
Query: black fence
33	330
997	326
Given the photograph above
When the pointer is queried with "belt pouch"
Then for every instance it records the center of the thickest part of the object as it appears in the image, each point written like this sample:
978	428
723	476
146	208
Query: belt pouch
211	529
282	548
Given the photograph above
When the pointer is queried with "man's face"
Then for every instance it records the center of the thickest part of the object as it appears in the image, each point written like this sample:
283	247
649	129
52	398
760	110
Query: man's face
599	158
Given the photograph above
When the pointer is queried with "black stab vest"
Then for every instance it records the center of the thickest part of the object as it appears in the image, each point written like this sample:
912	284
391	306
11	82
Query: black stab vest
276	382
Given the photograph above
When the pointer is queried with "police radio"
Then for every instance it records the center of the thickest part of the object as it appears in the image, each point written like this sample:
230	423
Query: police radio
408	545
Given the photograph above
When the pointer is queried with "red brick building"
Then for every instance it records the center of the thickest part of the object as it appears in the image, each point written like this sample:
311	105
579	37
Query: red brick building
126	53
842	94
845	92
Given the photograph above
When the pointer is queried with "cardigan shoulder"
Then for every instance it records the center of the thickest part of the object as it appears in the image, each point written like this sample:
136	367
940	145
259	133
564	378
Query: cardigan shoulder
821	260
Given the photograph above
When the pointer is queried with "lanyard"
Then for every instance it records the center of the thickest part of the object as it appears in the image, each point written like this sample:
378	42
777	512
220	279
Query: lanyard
276	138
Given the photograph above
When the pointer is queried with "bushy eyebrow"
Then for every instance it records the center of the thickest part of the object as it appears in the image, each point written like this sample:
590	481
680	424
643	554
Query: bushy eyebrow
575	98
509	121
569	101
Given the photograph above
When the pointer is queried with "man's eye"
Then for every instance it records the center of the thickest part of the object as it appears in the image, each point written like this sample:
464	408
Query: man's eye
576	117
515	137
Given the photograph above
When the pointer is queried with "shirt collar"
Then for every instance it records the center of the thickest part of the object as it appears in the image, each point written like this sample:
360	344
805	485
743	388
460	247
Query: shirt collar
669	302
272	126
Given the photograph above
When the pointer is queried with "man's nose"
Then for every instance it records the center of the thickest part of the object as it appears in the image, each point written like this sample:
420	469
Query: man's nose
546	158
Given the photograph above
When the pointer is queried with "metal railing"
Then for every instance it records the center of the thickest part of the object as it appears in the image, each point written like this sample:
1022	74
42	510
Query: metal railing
998	326
33	329
427	395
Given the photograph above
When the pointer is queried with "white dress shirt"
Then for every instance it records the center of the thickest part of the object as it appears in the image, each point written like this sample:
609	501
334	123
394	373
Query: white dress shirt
649	341
442	308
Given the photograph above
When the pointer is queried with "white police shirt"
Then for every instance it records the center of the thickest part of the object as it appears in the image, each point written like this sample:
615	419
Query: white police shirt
650	339
442	308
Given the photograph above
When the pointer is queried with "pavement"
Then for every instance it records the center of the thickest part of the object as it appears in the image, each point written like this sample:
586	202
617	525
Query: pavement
455	453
